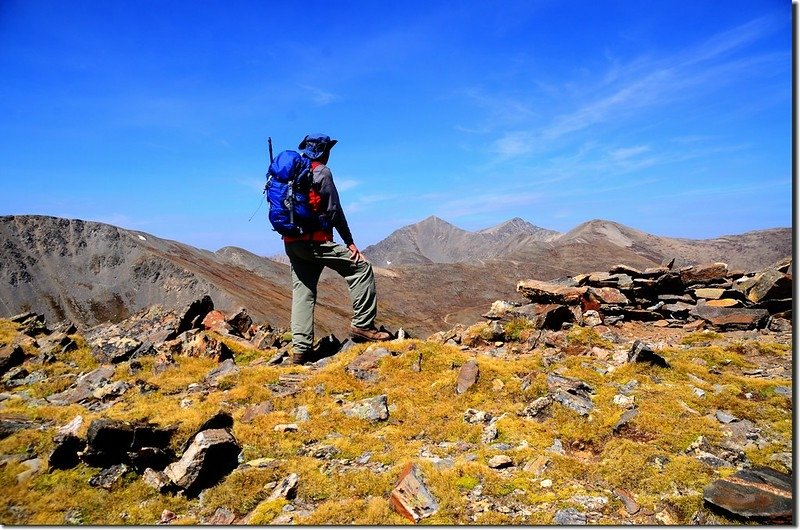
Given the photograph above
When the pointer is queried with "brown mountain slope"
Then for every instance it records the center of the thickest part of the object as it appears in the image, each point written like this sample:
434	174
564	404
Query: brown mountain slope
749	251
91	272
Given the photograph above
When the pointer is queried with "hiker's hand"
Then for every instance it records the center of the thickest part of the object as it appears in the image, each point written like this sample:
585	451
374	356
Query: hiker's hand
355	254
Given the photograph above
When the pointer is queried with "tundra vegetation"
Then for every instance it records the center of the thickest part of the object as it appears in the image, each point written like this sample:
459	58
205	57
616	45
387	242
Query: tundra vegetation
347	466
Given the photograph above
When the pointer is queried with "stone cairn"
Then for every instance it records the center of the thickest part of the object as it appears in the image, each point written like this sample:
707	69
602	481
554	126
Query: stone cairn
707	295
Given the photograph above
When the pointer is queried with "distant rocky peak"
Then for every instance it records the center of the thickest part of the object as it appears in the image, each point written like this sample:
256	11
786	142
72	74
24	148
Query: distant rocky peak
434	221
517	227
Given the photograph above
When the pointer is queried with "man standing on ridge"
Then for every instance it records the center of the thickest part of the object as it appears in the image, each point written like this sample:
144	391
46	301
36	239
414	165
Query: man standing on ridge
310	253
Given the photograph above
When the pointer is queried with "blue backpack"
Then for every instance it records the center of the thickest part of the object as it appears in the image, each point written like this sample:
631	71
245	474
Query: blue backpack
288	185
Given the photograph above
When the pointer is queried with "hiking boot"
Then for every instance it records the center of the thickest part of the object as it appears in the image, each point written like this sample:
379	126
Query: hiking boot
302	357
369	334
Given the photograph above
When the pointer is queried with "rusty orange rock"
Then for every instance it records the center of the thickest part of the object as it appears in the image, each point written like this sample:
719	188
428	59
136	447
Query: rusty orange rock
410	497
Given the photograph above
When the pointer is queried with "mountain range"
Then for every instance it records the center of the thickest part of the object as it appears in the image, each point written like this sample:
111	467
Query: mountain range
434	240
431	275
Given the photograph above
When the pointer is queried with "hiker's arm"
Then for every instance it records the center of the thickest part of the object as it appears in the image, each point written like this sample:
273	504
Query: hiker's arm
332	206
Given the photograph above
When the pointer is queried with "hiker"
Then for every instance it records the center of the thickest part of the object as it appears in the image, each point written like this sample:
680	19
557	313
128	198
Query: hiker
311	252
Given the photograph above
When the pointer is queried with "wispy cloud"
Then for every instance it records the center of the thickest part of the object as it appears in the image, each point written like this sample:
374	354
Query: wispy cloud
346	184
363	202
626	90
514	144
318	96
626	153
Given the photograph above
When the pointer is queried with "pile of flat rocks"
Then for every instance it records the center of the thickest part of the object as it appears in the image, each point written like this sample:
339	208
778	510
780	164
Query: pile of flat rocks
156	331
706	295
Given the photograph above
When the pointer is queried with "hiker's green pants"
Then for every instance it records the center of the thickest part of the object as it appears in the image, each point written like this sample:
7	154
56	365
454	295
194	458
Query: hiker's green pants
308	259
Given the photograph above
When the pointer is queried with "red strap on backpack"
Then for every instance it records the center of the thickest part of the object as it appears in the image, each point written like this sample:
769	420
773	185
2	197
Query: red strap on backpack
314	198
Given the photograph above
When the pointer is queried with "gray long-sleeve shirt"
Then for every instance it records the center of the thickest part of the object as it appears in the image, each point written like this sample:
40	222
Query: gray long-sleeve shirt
331	207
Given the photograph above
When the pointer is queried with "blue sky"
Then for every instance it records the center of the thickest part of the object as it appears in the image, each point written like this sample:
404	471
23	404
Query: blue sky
670	117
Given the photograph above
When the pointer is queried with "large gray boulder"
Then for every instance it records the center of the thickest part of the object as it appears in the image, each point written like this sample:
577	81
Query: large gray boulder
212	455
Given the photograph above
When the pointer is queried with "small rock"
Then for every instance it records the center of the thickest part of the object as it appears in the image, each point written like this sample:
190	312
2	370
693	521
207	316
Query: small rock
254	411
32	466
537	465
631	506
156	480
500	462
286	488
285	427
71	428
240	322
537	408
642	352
475	416
10	356
467	376
591	318
724	417
623	401
225	368
569	516
108	477
365	366
222	517
626	418
411	498
372	409
557	447
546	483
301	414
167	516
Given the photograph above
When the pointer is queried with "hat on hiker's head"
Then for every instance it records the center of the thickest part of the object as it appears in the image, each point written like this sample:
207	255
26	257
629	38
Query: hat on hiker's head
314	146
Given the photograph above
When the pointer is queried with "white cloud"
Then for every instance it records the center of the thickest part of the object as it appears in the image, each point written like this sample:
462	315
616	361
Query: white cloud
514	144
319	96
626	153
346	184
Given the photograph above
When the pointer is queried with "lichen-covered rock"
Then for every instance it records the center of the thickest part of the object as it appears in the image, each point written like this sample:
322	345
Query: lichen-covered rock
108	477
365	366
372	409
84	386
569	516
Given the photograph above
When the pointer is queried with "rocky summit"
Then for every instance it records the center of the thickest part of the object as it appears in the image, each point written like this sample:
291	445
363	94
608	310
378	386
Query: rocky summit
658	395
